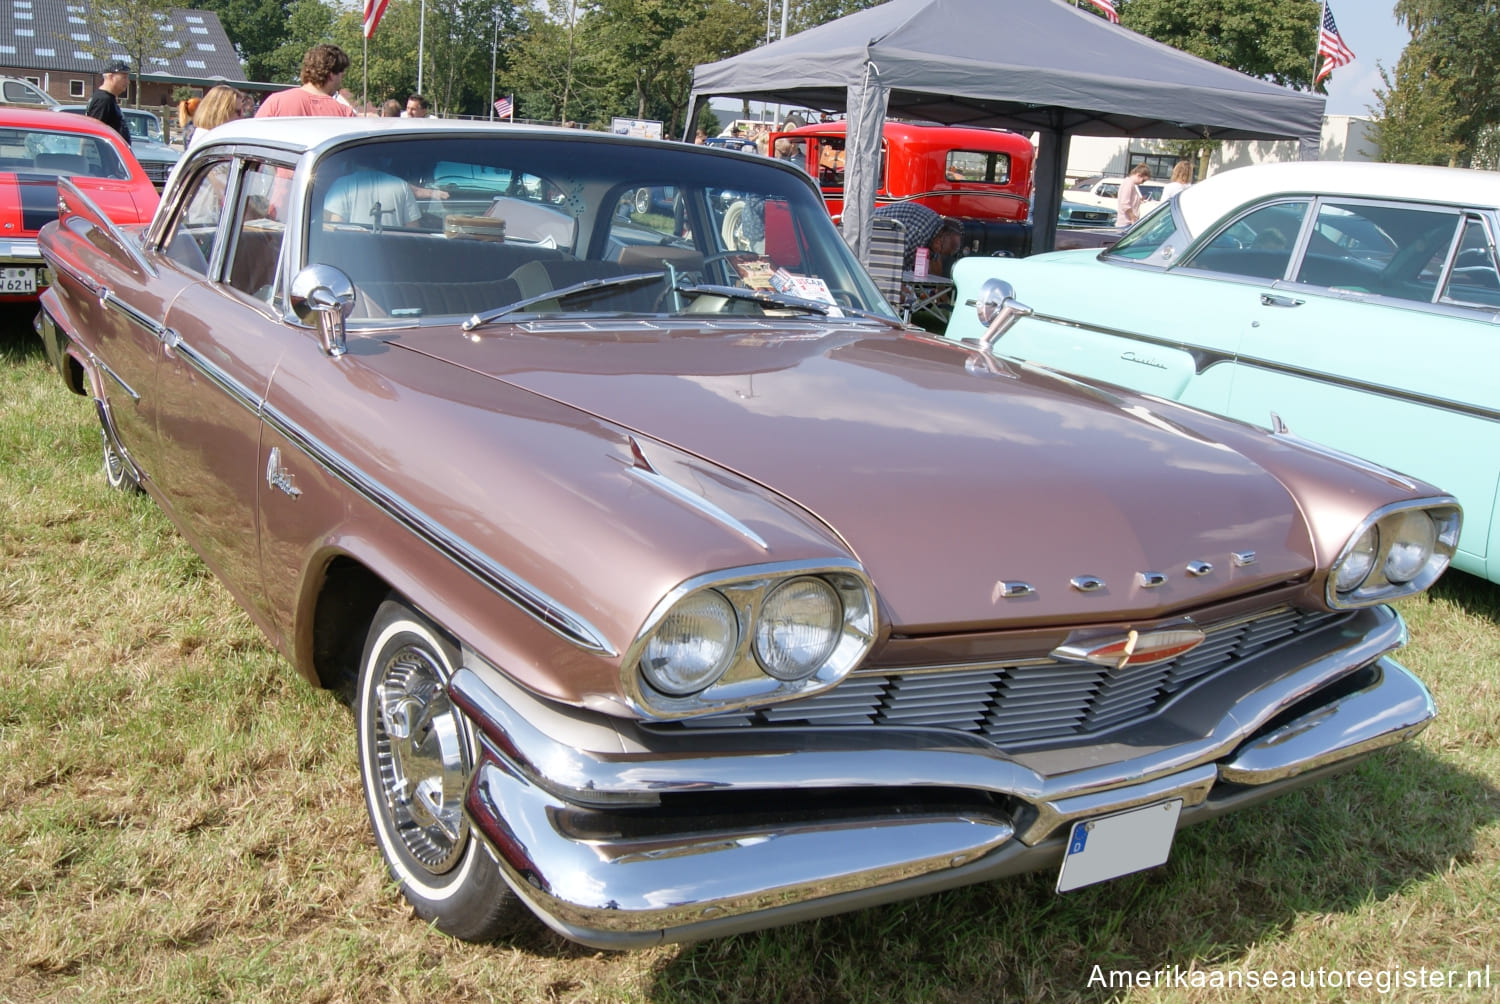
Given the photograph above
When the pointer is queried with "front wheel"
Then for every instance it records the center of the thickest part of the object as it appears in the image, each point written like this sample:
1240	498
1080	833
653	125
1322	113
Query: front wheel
415	755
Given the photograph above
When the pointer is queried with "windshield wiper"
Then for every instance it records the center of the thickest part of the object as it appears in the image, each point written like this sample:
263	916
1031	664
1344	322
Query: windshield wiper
760	296
608	282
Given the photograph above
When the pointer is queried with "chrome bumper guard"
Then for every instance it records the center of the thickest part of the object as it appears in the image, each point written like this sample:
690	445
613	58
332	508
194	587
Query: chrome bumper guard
539	802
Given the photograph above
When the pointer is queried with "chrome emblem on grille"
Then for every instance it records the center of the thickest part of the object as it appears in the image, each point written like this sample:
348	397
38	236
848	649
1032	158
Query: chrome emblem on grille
1134	649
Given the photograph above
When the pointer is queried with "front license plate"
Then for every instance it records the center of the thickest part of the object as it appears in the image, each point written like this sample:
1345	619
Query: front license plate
1111	846
17	280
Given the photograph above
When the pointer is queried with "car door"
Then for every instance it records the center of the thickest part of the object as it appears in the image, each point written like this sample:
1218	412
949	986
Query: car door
214	375
1380	344
1124	317
118	298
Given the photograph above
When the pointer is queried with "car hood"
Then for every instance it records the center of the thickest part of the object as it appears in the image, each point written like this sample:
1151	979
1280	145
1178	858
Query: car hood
947	478
28	201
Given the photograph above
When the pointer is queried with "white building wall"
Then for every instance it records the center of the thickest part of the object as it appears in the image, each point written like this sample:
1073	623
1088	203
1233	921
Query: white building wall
1345	137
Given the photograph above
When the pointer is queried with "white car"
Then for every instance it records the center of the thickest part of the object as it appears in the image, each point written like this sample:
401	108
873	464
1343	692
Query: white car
1106	192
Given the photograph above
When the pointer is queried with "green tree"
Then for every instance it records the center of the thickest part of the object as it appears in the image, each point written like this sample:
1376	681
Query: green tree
1415	124
309	22
1270	39
1445	98
140	29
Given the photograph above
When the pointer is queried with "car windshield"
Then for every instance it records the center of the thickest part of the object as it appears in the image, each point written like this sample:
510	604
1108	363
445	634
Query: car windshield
67	154
440	227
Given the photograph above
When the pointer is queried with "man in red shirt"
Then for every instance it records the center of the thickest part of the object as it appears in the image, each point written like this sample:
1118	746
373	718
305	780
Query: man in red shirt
323	71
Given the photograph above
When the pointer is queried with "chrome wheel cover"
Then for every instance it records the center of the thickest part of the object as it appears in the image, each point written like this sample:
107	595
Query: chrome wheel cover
114	464
421	757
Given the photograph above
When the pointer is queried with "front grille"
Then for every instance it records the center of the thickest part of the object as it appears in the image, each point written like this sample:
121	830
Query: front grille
157	171
1035	703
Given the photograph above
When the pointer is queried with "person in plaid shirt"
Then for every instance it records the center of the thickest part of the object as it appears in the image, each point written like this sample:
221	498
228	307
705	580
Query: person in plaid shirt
941	235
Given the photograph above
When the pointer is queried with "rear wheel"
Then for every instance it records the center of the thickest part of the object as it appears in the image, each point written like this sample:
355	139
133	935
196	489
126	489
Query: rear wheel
416	754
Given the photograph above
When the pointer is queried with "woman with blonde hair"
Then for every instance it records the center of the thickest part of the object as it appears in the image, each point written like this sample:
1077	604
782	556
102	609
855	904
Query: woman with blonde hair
220	105
1182	177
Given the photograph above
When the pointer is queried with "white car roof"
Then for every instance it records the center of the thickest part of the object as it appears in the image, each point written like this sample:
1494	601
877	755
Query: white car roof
304	133
1204	203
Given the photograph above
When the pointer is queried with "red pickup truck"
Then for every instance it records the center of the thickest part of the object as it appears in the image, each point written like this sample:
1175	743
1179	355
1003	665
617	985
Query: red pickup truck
980	176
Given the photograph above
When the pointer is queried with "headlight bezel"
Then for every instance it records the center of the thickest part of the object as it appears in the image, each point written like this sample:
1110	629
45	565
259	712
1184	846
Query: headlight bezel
1375	587
745	682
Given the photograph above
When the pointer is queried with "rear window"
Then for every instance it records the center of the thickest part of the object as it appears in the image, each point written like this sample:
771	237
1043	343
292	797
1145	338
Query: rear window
64	154
989	167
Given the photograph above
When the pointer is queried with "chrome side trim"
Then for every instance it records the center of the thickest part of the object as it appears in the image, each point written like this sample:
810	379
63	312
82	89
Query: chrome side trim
548	612
698	502
1204	358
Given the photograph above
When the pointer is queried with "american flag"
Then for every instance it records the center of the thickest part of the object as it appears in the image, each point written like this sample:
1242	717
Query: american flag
505	108
1109	10
373	10
1331	46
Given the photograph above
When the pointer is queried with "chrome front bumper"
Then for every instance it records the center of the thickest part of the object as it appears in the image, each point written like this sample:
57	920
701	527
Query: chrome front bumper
575	832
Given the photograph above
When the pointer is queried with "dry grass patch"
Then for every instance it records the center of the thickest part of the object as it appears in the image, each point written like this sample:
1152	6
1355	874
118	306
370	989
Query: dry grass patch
182	818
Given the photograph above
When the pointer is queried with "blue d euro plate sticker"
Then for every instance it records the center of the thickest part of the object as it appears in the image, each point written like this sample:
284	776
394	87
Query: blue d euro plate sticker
1111	846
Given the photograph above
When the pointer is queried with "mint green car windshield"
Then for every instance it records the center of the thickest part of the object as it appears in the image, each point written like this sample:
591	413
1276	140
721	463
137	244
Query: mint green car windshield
1146	237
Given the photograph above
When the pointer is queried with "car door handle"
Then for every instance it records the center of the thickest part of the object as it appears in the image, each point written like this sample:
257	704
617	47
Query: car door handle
1272	300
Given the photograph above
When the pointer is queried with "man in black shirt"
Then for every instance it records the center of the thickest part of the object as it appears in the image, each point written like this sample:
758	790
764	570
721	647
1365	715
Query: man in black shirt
104	105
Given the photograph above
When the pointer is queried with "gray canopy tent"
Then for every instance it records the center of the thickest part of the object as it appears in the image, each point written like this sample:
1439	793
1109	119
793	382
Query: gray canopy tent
1030	65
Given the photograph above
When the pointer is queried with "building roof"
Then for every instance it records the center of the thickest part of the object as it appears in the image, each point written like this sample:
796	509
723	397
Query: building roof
55	35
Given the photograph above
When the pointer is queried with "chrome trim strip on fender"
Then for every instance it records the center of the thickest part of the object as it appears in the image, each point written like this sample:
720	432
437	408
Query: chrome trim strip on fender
1204	359
698	502
548	612
552	615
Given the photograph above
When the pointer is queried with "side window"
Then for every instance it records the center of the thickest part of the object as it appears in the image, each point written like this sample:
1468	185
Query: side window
831	161
1396	251
195	232
258	229
1474	279
973	165
1258	245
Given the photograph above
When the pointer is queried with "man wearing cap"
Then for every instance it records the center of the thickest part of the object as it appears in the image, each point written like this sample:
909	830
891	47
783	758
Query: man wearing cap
104	104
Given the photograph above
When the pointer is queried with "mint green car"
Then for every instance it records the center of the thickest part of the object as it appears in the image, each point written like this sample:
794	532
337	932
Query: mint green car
1355	305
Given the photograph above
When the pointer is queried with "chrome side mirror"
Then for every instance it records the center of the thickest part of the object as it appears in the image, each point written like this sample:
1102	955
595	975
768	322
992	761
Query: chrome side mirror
998	309
323	296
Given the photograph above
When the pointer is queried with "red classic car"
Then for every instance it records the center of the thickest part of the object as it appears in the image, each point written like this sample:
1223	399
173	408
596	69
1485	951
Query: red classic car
37	148
680	590
979	176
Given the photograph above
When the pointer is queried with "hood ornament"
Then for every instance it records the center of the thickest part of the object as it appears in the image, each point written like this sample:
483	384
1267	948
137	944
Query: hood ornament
1135	648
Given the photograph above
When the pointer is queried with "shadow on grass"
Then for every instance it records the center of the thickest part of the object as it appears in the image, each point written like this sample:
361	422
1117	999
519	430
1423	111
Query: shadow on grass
1475	596
1339	845
18	339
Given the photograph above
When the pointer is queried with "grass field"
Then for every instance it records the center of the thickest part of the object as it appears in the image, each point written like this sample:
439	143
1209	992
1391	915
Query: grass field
181	819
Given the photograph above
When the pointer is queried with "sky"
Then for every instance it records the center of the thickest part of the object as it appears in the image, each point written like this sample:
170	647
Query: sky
1367	27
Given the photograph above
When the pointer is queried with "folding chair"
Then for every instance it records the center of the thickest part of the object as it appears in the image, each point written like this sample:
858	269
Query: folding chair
887	256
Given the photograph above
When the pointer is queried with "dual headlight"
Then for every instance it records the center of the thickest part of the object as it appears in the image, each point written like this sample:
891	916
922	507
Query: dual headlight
1397	551
759	635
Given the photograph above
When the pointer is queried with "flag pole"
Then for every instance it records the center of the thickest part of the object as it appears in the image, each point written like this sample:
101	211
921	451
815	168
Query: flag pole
1317	34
